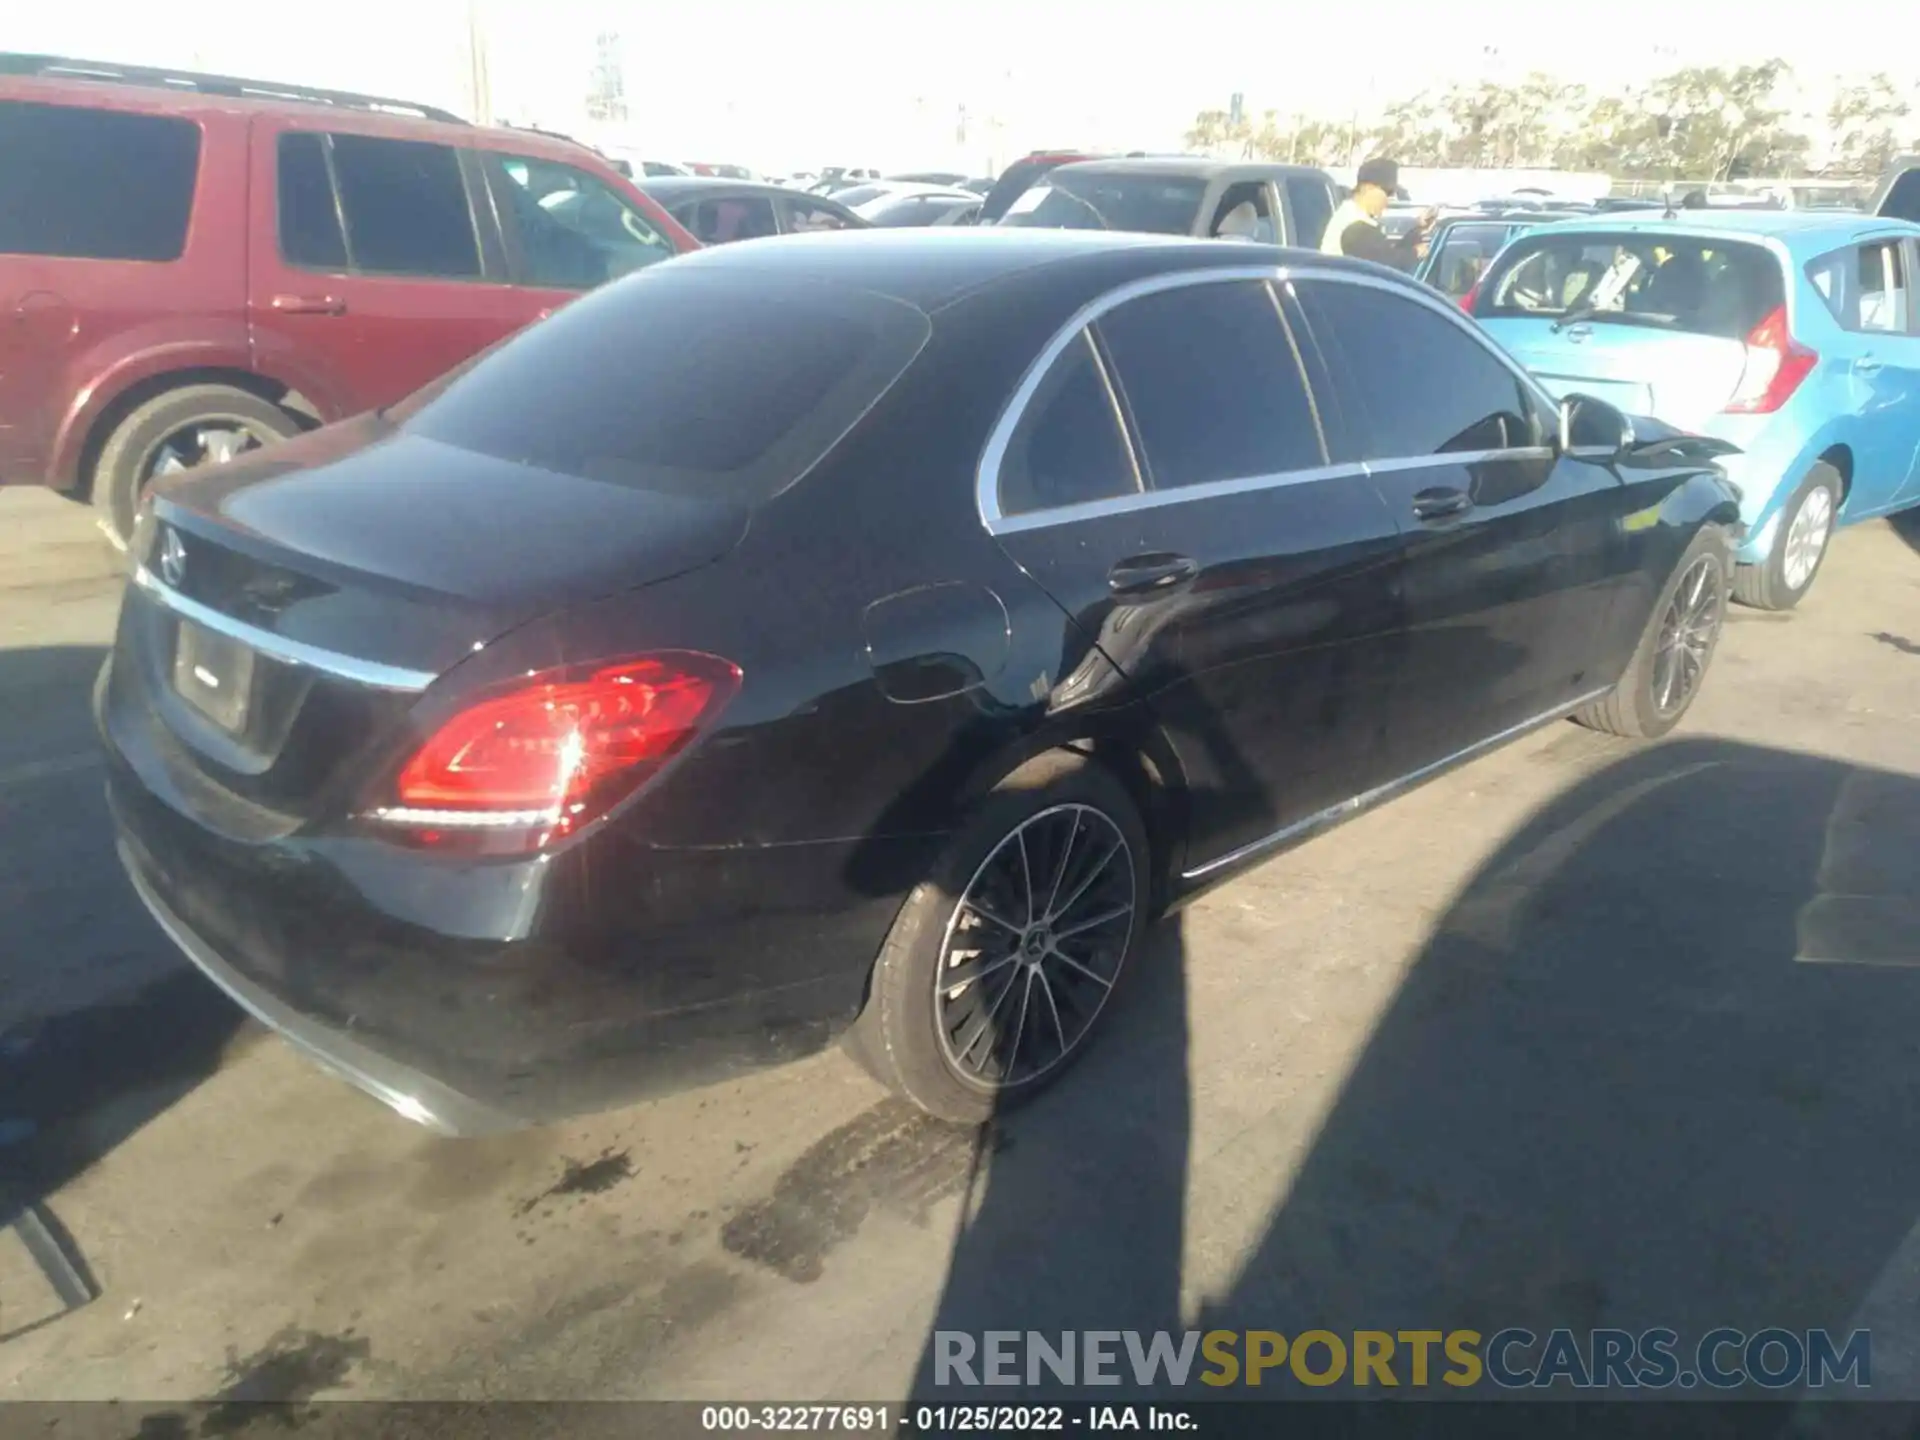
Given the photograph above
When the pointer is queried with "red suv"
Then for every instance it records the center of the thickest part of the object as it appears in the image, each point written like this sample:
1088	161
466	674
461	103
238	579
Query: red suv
192	265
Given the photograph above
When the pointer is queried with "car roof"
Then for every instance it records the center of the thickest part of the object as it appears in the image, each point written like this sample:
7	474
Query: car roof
133	91
679	187
1184	167
931	268
1809	231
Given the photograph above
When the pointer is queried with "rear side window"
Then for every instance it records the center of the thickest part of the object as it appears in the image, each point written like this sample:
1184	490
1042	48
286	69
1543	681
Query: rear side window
573	231
310	233
1210	377
1866	287
1069	447
406	208
1413	383
95	184
1312	206
1697	286
675	381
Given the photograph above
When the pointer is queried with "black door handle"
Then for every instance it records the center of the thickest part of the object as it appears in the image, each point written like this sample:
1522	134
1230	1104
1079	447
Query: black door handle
1151	574
1440	502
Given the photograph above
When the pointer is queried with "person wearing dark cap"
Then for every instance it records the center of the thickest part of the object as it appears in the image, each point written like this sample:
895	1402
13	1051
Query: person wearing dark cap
1695	200
1355	229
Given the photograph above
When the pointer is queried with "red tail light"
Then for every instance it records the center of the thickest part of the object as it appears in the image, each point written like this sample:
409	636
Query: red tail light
1776	364
556	752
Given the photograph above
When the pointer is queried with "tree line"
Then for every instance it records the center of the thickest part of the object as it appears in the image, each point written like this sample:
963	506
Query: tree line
1697	123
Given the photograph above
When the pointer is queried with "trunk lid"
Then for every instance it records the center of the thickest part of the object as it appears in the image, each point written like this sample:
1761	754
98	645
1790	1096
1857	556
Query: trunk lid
288	610
1649	316
1681	378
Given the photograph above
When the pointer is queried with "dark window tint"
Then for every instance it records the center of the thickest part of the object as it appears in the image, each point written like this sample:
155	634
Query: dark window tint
406	208
309	222
1212	381
574	231
717	222
680	381
95	184
1414	383
916	210
1069	447
1903	197
1654	279
1312	206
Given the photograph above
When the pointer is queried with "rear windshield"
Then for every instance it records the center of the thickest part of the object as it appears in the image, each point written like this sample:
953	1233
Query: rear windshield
731	383
1163	205
1698	286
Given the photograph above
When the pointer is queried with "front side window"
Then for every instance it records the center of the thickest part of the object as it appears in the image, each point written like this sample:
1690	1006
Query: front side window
1210	376
575	232
1069	447
1661	281
804	216
95	184
1417	384
1244	213
720	222
406	208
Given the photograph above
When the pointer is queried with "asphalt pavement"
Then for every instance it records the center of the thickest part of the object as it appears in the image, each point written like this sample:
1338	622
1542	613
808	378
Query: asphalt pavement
1589	1034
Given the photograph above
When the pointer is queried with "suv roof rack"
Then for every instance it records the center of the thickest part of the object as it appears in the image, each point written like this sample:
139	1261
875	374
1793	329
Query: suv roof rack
166	78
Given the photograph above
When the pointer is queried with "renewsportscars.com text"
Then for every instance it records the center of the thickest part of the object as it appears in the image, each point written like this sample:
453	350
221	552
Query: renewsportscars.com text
1512	1359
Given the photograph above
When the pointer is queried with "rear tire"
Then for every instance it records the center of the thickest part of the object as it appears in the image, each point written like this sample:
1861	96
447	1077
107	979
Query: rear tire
1781	581
939	1045
133	451
1670	663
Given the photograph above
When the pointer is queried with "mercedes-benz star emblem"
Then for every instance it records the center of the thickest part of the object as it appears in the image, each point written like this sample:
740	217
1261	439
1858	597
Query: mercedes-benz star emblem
173	557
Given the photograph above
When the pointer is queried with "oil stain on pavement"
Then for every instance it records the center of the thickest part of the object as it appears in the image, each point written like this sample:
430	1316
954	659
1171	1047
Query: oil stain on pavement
589	1177
891	1157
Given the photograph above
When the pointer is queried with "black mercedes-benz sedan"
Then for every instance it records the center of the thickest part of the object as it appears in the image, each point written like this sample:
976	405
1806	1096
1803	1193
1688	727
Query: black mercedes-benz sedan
863	635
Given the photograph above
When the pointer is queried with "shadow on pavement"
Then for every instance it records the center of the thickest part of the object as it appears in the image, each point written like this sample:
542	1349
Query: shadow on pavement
1077	1216
1654	1067
102	1024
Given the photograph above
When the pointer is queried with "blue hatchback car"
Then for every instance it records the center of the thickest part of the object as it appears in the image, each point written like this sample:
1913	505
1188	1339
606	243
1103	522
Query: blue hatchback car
1792	335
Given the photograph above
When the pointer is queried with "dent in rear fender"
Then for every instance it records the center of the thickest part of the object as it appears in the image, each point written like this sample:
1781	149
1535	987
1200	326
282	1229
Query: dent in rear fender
933	642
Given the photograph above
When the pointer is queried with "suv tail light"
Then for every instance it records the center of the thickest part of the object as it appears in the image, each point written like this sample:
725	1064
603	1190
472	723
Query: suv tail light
1776	364
556	751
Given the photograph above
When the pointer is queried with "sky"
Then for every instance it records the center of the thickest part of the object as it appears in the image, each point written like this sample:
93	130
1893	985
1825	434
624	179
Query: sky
838	82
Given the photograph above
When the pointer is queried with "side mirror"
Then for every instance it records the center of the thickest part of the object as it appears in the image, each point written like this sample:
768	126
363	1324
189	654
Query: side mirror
1593	428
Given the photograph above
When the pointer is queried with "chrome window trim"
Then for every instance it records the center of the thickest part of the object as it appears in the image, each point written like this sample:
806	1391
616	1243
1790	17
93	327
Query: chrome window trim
1155	499
1367	799
987	473
370	673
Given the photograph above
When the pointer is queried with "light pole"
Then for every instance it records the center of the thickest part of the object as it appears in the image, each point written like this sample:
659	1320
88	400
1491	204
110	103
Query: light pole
480	84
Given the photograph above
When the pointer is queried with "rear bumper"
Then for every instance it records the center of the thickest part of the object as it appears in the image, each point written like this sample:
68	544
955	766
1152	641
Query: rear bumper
472	1003
413	1095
